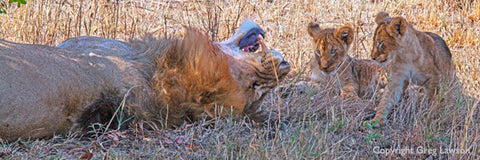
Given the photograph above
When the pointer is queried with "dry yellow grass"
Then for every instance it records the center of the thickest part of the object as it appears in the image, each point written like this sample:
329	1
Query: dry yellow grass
328	128
51	22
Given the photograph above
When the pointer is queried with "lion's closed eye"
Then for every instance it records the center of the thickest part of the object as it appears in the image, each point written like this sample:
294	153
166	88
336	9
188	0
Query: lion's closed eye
379	44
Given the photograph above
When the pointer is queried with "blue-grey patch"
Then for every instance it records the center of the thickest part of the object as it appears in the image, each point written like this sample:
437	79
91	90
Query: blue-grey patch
251	39
233	42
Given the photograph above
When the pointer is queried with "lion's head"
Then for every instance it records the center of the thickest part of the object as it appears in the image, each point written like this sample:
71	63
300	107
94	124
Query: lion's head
198	76
331	46
386	38
259	72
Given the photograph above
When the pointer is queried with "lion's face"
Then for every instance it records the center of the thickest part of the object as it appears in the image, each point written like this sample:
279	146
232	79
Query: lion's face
270	69
264	68
386	38
331	46
259	72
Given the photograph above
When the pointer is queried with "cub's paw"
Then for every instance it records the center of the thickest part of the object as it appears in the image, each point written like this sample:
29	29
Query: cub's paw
374	123
348	96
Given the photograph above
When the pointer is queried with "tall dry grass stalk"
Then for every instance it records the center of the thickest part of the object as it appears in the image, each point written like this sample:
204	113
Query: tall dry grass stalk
317	124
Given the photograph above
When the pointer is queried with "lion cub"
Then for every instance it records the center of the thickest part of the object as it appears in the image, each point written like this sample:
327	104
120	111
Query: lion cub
421	58
359	78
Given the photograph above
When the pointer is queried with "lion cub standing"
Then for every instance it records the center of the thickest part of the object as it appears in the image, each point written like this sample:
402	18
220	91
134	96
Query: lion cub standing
359	78
421	58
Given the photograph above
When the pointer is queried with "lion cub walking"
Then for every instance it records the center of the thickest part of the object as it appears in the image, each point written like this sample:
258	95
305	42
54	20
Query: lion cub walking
421	58
359	78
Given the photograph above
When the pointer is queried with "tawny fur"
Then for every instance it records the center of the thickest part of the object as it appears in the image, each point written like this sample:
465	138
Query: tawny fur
359	78
46	89
416	57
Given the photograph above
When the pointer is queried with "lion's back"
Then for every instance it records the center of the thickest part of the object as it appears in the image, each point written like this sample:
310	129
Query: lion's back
97	45
444	59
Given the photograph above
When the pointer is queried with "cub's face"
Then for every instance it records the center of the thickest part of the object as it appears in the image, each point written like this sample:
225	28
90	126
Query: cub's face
331	46
383	44
387	37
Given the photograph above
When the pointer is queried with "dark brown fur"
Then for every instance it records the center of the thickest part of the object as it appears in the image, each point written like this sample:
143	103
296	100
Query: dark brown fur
98	115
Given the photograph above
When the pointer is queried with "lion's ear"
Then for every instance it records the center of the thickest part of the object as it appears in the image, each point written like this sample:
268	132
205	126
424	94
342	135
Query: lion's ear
381	16
345	34
397	27
313	29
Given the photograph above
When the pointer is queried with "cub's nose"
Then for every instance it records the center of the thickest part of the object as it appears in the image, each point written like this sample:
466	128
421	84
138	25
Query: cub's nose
324	67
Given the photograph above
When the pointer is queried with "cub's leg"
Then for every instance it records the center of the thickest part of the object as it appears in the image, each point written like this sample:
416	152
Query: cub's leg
431	88
391	96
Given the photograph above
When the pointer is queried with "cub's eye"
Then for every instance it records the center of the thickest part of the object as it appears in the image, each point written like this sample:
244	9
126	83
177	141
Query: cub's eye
333	51
318	52
379	44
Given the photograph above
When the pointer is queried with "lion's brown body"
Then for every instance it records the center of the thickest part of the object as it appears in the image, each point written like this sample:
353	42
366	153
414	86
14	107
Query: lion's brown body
359	78
48	90
416	57
44	89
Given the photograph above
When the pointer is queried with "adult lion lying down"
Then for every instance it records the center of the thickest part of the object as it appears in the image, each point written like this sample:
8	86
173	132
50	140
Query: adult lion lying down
51	90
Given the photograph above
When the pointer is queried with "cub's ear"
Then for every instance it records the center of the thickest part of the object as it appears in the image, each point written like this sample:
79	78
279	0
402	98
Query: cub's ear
345	34
313	29
397	27
381	16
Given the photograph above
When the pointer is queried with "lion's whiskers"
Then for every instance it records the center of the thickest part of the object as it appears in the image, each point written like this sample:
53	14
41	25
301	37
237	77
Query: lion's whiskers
260	41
